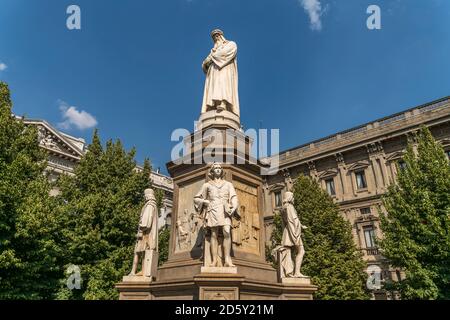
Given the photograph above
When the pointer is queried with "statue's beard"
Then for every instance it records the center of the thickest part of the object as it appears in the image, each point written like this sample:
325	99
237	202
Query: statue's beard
219	41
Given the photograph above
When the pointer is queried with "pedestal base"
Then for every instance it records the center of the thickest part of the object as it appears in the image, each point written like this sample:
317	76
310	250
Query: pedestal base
297	281
216	118
210	286
223	270
137	278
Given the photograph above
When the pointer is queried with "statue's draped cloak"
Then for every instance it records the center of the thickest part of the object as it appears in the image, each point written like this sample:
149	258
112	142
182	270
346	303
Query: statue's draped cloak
292	231
148	223
222	78
221	196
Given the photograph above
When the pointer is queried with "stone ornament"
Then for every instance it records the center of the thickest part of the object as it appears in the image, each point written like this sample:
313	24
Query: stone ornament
146	248
189	233
221	84
217	202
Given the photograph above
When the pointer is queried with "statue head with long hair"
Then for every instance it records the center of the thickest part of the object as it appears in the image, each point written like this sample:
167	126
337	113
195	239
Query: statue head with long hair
216	170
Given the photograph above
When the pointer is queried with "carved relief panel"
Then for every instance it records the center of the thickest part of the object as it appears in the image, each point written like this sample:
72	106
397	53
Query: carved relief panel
246	233
188	222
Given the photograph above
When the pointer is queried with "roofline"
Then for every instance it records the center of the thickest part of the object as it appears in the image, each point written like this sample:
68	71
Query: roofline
154	172
364	125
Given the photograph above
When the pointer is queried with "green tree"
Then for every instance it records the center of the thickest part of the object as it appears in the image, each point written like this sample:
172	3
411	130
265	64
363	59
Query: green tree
101	205
29	253
164	231
163	244
416	225
332	259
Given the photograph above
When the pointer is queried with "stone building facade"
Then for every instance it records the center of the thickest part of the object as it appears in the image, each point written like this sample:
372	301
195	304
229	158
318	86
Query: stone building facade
355	167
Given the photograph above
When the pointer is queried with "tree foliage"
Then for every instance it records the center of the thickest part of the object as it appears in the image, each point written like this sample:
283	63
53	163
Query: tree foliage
331	259
29	252
163	244
101	205
416	226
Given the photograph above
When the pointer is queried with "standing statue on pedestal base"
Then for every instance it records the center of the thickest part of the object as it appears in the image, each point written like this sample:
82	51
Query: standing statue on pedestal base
291	240
146	248
218	201
221	84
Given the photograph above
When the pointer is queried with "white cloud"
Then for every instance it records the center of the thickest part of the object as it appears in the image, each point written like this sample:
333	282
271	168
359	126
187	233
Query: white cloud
315	11
73	118
3	66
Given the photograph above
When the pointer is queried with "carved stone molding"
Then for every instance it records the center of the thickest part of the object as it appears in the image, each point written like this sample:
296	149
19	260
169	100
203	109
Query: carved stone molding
339	158
311	166
374	148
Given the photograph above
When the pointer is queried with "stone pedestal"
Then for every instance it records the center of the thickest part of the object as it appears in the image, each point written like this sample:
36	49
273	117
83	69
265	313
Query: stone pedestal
296	281
184	276
219	270
214	119
137	279
215	286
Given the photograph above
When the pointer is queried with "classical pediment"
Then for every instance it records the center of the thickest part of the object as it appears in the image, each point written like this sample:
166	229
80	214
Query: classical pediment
395	156
276	187
328	173
445	142
55	141
358	165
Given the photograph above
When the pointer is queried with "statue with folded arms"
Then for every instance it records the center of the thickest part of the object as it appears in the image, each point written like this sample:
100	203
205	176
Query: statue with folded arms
221	84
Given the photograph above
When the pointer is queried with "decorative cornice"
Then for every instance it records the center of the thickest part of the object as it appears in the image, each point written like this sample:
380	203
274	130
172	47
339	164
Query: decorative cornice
396	125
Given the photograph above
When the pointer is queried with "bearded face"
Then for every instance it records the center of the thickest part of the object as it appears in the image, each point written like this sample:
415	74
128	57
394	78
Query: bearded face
218	39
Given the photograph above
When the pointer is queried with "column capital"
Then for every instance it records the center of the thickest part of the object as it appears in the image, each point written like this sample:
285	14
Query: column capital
374	148
339	158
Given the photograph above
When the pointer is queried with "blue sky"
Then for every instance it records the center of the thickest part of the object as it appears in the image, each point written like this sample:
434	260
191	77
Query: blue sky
135	66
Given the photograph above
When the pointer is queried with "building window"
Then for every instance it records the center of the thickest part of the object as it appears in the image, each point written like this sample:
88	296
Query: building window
361	182
369	236
278	200
330	187
365	210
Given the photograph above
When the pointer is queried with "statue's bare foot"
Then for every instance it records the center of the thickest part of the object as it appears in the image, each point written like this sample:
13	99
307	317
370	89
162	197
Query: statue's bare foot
214	263
228	263
298	275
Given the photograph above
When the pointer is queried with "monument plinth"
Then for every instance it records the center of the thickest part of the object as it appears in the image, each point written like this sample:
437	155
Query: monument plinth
217	119
217	236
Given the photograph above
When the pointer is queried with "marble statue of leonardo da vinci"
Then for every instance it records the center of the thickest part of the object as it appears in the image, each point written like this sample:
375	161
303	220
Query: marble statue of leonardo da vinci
221	84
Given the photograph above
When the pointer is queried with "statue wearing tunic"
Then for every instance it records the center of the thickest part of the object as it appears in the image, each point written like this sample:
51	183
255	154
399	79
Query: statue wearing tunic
147	237
218	201
221	84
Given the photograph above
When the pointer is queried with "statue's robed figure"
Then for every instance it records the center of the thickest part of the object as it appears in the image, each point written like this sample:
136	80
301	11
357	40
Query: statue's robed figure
221	84
146	246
